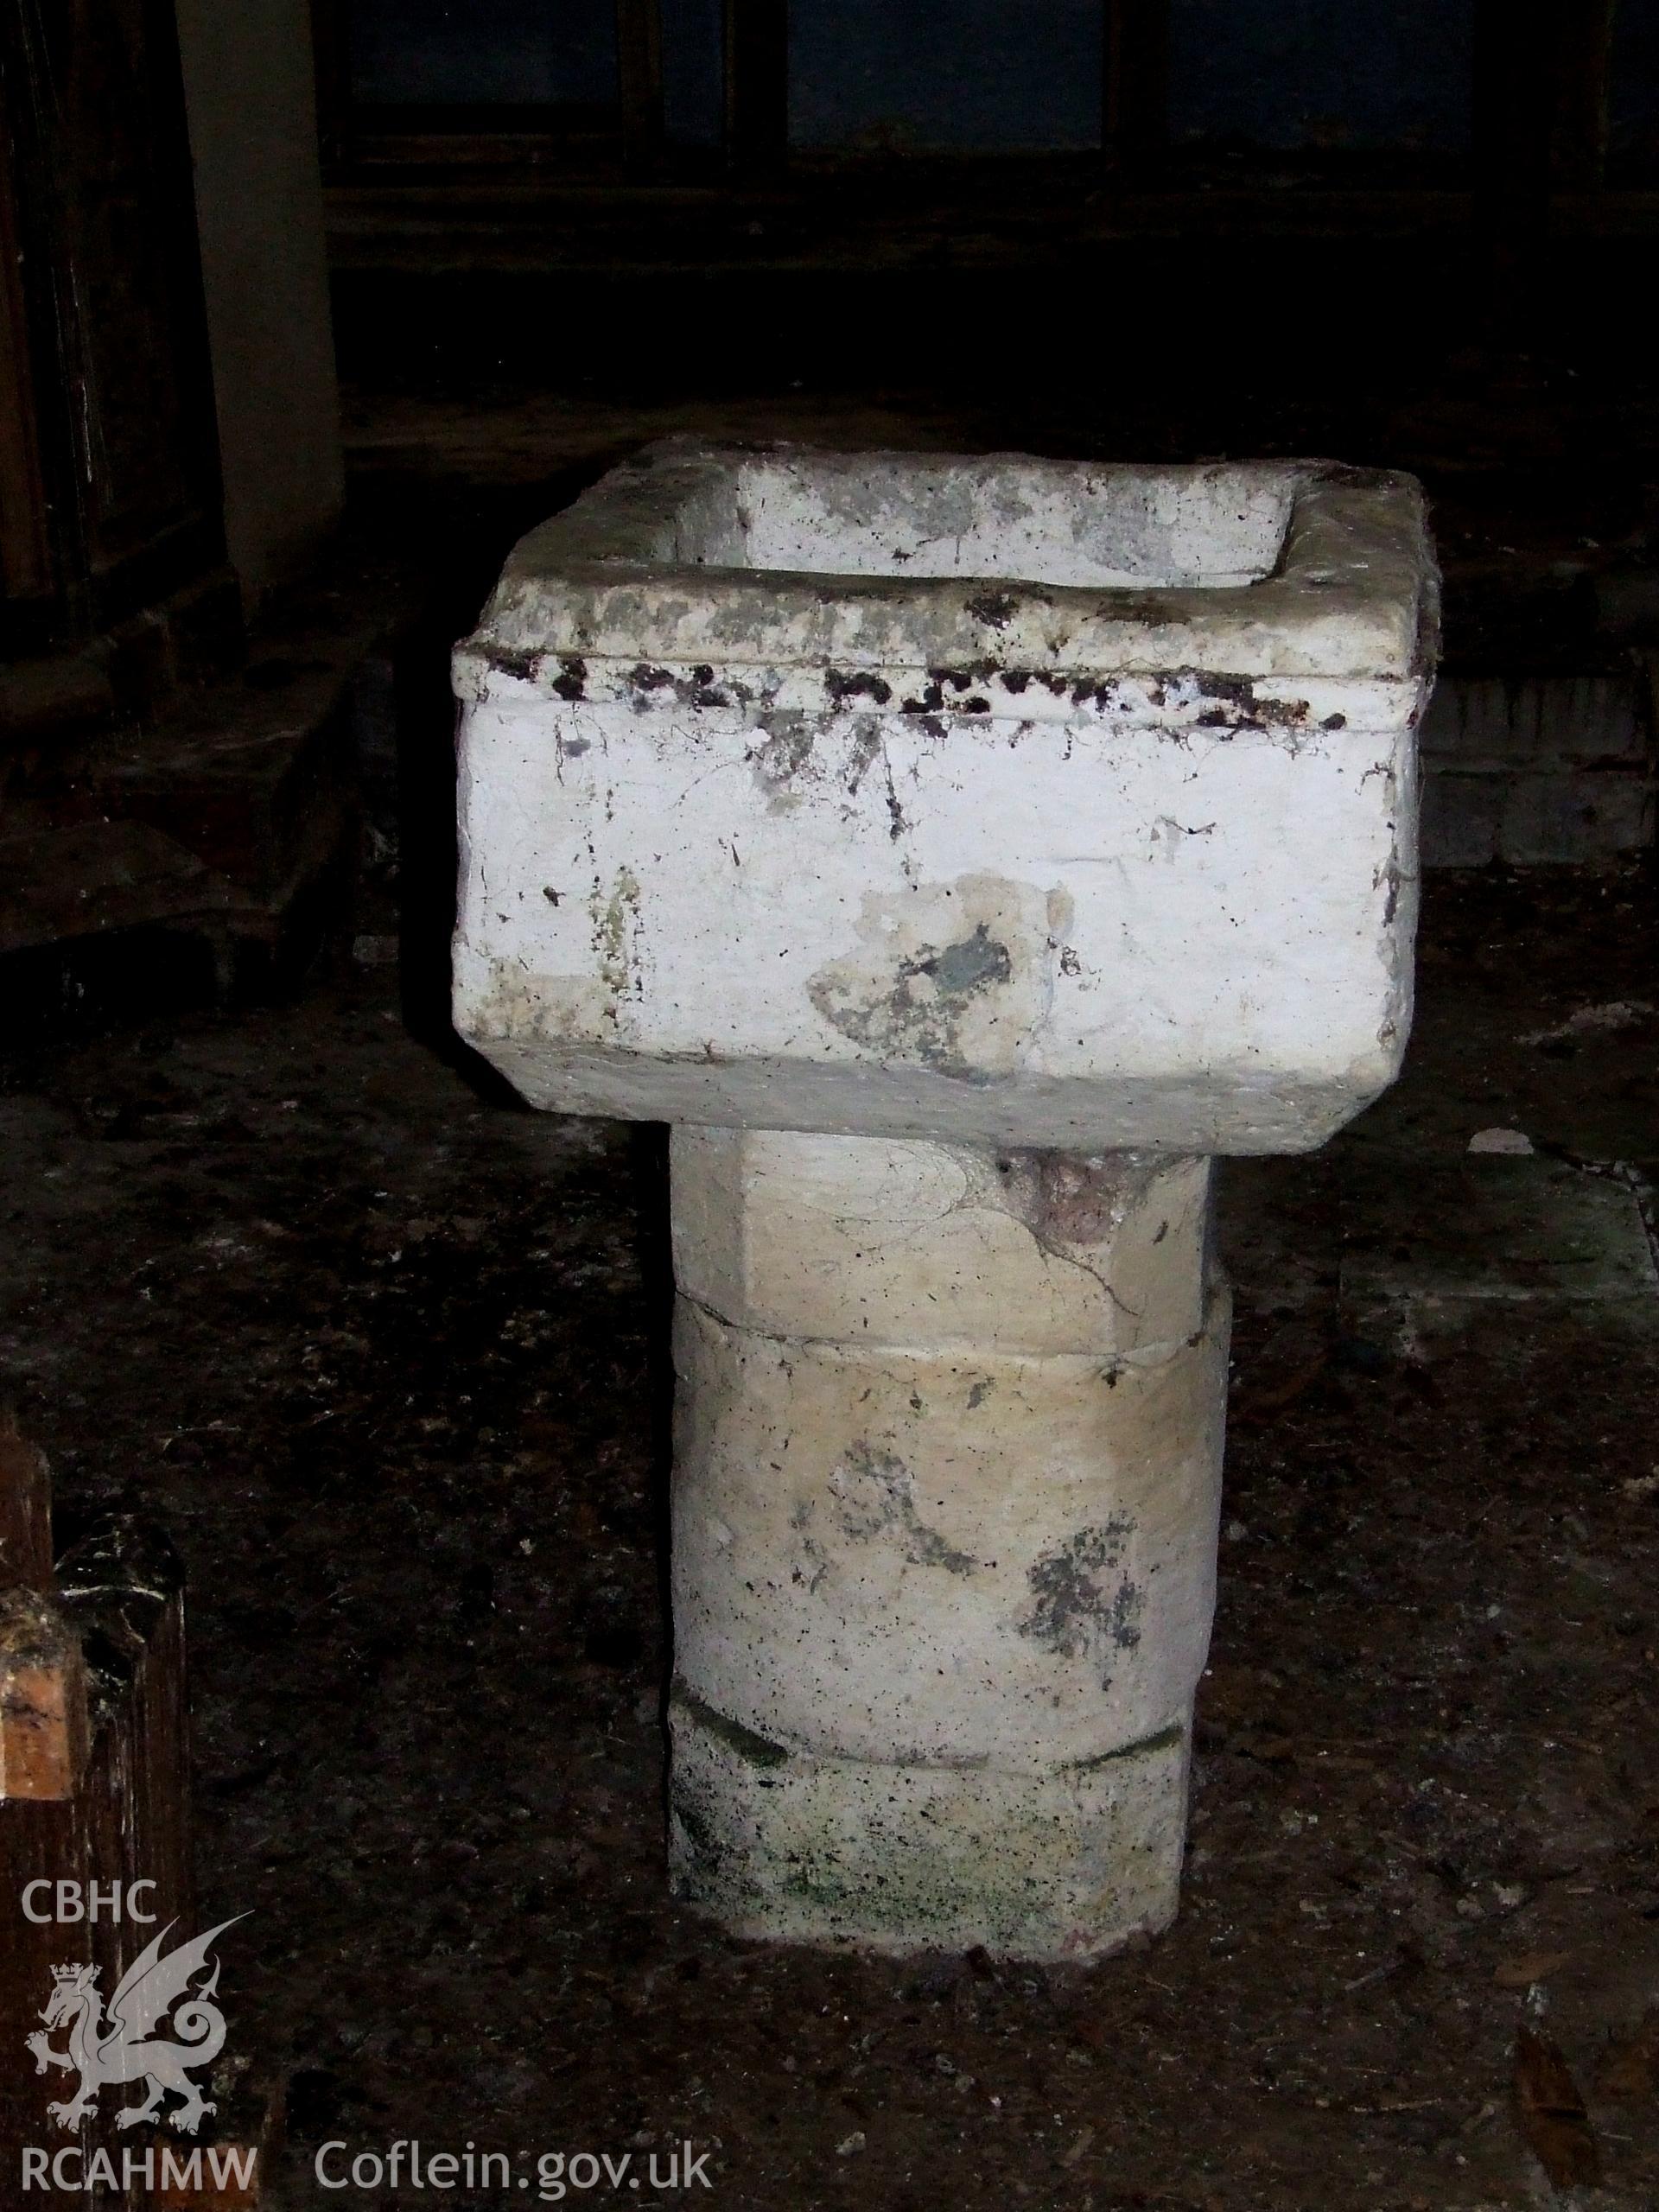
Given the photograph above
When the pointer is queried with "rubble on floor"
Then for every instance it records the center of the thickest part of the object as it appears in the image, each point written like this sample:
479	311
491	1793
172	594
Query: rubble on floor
388	1355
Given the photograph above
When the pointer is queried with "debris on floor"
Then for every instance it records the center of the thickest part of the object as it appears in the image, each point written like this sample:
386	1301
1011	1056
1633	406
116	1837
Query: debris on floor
387	1354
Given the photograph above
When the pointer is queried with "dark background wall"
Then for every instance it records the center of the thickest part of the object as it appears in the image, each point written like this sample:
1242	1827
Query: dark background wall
983	74
1634	102
999	75
483	51
1298	72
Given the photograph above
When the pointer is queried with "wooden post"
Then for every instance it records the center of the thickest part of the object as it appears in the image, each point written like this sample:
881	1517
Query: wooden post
1135	83
43	1719
639	82
44	1730
96	1804
757	86
124	1817
25	1510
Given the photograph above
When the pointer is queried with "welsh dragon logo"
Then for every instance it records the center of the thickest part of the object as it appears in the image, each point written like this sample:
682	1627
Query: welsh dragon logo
107	2052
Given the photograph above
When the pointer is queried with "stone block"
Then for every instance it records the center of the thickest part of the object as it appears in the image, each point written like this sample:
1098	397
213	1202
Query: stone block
947	1557
864	1240
1064	1866
1536	771
997	801
1534	721
1462	816
959	853
1576	818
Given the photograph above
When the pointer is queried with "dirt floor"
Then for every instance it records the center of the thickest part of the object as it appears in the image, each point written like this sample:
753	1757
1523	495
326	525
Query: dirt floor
387	1354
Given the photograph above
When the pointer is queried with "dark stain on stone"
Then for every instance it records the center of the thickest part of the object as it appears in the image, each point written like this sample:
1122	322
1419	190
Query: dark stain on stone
1128	1601
866	746
1391	904
571	682
696	690
1151	606
748	1743
876	1495
965	678
787	749
1072	1611
861	684
1165	1741
996	608
1238	706
969	965
1241	690
916	1005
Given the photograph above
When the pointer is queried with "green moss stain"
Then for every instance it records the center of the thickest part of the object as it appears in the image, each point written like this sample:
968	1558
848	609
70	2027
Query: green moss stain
615	918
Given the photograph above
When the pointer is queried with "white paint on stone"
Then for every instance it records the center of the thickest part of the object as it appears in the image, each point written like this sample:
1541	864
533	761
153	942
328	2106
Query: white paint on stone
1054	863
961	852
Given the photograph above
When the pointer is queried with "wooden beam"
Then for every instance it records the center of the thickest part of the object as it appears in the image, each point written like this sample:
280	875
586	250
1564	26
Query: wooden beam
757	85
25	1510
110	1615
119	1596
640	82
1134	82
45	1733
